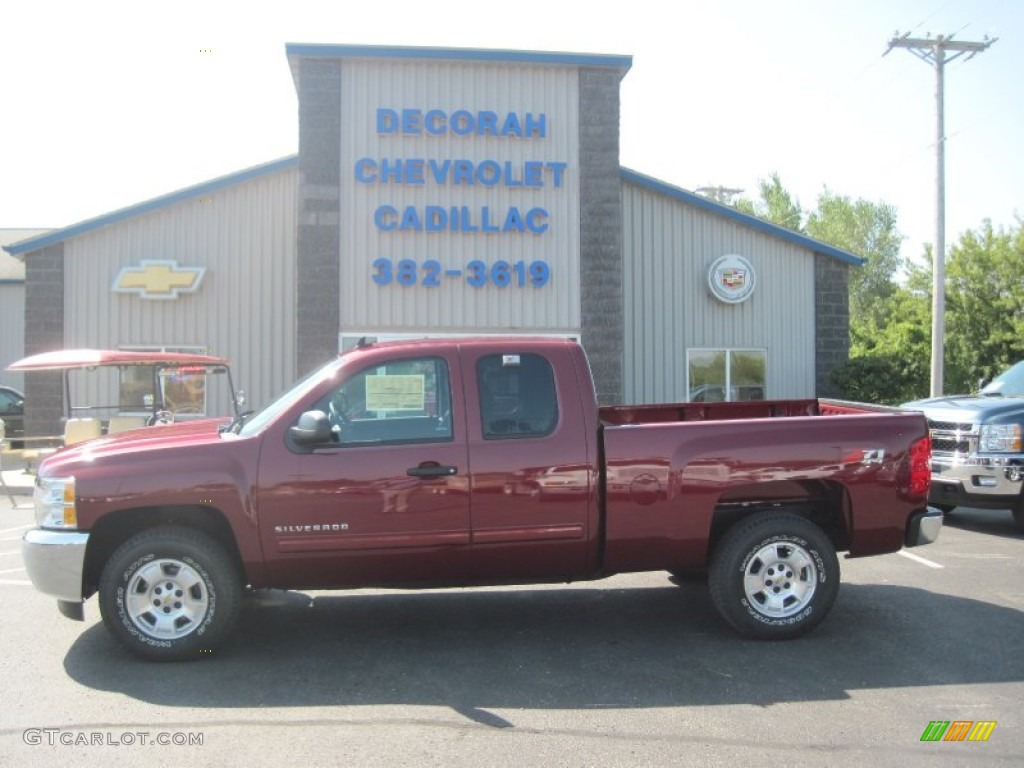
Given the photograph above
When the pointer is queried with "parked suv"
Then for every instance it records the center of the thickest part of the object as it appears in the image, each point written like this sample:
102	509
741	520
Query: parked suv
978	446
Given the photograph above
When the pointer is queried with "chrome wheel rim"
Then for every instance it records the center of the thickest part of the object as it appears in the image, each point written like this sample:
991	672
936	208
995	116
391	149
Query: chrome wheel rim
780	580
167	599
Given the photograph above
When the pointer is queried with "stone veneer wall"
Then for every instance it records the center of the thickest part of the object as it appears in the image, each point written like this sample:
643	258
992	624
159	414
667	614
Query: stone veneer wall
602	308
318	222
831	320
44	332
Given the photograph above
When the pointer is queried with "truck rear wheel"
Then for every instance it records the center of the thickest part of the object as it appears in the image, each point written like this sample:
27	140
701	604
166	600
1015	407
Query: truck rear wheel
774	576
170	594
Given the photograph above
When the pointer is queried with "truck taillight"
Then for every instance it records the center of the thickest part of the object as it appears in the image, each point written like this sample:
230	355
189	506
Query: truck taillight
920	466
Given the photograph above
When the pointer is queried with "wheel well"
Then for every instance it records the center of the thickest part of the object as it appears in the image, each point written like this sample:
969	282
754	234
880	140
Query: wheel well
112	530
824	504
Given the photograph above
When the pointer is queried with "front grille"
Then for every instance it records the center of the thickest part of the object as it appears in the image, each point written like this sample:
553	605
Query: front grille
950	445
952	438
950	426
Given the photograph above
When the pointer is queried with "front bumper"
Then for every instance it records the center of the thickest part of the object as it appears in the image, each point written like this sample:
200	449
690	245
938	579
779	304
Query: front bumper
923	527
55	562
981	481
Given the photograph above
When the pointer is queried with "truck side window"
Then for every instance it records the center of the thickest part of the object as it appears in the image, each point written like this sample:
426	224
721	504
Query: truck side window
517	396
401	401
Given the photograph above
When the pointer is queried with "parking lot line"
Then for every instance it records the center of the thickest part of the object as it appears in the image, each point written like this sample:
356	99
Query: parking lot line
14	570
16	583
919	559
17	528
8	554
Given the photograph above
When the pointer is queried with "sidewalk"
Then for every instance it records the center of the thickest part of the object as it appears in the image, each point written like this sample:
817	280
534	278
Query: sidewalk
18	481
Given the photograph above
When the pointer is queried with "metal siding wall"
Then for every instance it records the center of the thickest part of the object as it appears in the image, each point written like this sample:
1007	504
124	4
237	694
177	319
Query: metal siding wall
668	249
12	332
245	308
456	306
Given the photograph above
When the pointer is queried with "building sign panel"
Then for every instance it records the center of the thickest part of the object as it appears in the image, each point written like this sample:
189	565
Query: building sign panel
731	279
459	198
158	279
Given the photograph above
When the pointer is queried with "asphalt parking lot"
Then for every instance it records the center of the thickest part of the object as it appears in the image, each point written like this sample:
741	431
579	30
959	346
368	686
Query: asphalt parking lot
632	671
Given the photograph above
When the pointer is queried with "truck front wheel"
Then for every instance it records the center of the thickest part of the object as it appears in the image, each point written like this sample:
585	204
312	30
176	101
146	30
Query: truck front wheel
1018	512
169	594
774	576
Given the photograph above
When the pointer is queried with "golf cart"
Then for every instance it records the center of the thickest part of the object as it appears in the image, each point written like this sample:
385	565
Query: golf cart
153	388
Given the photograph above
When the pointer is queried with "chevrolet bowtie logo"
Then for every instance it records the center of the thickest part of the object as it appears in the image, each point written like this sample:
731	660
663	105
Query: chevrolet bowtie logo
158	279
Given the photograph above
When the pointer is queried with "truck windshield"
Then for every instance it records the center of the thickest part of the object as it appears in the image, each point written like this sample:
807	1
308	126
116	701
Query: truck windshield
1010	383
258	421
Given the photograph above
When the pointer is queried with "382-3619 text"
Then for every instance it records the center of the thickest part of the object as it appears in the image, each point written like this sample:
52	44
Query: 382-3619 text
476	273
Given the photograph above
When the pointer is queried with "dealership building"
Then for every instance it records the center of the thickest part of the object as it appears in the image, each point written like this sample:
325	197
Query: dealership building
445	192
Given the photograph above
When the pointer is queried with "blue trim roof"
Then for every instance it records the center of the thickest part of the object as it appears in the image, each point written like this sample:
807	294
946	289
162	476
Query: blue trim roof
59	235
317	50
767	227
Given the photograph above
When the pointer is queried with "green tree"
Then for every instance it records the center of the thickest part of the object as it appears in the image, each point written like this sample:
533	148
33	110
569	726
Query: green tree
868	230
775	204
984	305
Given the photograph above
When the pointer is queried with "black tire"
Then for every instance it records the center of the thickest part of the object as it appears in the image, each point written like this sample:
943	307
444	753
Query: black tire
1018	513
774	576
170	594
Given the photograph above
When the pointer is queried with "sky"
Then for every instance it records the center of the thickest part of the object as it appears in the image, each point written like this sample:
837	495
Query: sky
108	104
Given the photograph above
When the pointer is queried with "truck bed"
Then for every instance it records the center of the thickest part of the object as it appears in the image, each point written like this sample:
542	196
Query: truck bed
674	475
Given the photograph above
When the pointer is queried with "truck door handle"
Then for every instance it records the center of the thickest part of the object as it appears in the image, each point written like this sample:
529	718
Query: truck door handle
432	470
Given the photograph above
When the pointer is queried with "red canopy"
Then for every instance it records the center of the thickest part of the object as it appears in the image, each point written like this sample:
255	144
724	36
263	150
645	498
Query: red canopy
65	359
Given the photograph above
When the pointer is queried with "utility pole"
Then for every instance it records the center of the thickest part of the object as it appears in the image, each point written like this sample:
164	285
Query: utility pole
720	194
938	51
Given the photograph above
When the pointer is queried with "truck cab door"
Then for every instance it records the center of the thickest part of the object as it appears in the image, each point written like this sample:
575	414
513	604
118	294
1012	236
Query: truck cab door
531	480
386	500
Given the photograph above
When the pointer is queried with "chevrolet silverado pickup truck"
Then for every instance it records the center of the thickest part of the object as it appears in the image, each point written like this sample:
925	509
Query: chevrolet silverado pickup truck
978	446
463	462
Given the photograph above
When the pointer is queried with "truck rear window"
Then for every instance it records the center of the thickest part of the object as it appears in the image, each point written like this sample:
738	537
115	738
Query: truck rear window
517	396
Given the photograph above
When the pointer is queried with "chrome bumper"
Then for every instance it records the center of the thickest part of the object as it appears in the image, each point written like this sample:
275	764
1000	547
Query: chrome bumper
923	527
982	476
55	561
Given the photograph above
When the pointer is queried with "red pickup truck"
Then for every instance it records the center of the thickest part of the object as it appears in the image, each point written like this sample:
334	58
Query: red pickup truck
473	461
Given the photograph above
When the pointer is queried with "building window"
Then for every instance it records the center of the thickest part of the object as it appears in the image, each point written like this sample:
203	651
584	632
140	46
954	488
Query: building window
715	375
401	401
517	396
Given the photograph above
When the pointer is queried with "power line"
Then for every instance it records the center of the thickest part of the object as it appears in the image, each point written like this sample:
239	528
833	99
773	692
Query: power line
938	51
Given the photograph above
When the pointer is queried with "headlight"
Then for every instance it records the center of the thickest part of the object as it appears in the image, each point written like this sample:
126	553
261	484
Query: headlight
1000	438
54	499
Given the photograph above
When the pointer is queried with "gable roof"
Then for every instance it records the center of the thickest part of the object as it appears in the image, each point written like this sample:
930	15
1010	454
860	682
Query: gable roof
320	50
199	190
745	219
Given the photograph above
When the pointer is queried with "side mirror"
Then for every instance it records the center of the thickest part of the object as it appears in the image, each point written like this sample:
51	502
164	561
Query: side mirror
313	427
982	382
240	399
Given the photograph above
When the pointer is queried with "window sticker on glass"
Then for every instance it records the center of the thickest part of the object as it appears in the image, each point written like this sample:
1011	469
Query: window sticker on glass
404	392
